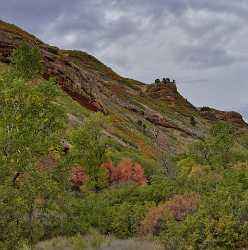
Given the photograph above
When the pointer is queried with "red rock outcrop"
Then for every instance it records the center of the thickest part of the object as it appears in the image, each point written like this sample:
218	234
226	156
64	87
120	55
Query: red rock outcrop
216	115
77	82
167	92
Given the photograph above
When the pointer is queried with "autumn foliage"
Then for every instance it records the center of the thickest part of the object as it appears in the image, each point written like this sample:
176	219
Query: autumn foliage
78	176
177	208
125	171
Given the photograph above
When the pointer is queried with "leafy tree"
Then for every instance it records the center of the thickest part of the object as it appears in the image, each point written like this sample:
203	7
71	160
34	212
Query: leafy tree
216	149
26	61
90	149
157	82
31	124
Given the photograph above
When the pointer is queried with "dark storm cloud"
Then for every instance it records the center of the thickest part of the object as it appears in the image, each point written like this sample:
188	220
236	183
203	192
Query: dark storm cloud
144	39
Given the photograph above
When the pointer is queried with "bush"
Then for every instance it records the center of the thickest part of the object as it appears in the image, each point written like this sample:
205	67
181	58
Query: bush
125	219
125	171
217	148
26	62
220	222
150	166
78	177
177	208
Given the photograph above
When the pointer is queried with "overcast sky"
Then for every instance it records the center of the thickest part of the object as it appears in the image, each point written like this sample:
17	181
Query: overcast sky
203	44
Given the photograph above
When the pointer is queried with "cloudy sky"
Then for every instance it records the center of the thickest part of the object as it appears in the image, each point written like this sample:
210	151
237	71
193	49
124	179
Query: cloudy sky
203	44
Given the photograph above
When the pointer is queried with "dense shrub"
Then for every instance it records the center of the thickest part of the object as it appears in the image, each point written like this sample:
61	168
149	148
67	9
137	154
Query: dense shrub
150	166
26	61
220	222
125	219
217	149
78	177
188	167
125	171
177	208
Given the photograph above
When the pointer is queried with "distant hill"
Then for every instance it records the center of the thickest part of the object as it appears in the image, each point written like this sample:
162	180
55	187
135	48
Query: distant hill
148	118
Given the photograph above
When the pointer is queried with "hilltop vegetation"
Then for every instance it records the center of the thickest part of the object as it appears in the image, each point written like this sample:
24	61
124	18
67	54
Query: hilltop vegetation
63	175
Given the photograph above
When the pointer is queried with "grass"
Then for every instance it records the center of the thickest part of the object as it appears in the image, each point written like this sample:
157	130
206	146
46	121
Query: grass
72	107
18	31
96	241
3	67
134	137
92	241
90	62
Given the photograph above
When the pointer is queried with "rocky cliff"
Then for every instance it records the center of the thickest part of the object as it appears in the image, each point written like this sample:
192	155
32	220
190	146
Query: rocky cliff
151	118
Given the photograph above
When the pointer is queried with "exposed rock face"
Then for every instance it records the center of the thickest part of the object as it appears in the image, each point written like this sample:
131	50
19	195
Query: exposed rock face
96	87
163	90
167	92
161	121
216	115
78	83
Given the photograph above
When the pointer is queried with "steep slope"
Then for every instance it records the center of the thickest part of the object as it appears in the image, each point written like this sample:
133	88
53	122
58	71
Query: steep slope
150	118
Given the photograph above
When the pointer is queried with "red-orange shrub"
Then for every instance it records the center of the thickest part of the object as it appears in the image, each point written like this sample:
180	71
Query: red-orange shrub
110	167
125	171
78	176
177	208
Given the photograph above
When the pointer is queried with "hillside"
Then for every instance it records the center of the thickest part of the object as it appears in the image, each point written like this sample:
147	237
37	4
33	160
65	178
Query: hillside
92	160
149	118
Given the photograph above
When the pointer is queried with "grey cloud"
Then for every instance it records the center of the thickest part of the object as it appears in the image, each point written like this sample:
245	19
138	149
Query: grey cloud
205	56
144	39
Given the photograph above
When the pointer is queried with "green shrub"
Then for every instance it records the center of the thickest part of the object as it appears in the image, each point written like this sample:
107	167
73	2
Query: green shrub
26	62
221	221
124	219
217	148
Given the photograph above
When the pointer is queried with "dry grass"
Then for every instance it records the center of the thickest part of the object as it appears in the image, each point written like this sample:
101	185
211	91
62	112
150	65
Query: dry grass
97	242
59	243
133	244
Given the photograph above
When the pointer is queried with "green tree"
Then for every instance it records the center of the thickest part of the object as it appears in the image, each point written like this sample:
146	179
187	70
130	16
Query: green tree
26	61
90	149
31	124
217	148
